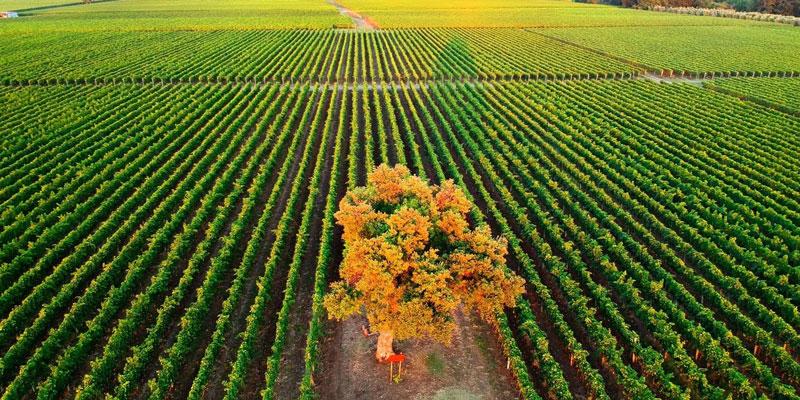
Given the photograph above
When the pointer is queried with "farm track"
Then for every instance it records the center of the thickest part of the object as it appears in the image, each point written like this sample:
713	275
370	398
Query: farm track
660	246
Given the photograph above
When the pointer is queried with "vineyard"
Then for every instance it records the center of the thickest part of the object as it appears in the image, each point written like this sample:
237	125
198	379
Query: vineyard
697	51
298	56
167	203
777	93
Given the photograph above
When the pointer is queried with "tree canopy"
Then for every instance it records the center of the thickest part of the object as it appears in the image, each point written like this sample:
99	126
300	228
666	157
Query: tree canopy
412	256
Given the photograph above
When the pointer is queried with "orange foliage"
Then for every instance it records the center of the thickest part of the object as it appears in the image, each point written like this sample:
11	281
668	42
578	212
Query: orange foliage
412	257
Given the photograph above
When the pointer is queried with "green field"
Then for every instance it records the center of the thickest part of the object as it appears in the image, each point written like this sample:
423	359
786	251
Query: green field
781	93
170	174
696	50
318	55
515	13
184	15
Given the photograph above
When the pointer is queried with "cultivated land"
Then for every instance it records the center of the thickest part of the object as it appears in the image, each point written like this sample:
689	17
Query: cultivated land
170	174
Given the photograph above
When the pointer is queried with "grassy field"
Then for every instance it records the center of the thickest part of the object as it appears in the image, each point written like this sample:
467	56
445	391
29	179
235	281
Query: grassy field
497	13
694	50
289	56
781	93
183	15
170	174
144	15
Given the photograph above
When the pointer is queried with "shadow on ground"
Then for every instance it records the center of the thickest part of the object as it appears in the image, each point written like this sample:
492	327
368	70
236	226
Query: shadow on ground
472	368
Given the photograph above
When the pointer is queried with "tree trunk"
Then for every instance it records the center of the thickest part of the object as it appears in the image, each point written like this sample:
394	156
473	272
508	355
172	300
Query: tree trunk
384	345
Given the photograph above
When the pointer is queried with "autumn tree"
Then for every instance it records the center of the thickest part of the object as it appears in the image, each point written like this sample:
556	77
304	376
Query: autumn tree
412	256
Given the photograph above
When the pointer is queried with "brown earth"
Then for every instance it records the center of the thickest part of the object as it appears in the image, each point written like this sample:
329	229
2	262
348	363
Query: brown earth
472	368
360	22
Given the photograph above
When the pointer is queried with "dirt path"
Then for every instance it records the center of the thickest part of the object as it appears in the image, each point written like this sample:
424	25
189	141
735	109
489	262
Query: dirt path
472	368
361	23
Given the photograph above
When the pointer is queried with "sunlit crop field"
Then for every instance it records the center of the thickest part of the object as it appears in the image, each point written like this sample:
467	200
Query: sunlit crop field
170	174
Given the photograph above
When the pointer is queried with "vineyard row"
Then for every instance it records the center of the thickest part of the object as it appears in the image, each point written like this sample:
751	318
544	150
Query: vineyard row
178	242
297	56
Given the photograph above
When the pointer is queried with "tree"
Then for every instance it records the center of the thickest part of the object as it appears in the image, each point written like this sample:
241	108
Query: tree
412	257
782	7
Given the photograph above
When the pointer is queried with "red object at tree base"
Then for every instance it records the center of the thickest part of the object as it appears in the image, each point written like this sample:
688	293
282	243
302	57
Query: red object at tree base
396	358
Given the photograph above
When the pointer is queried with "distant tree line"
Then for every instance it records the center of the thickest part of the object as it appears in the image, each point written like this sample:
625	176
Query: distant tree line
782	7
